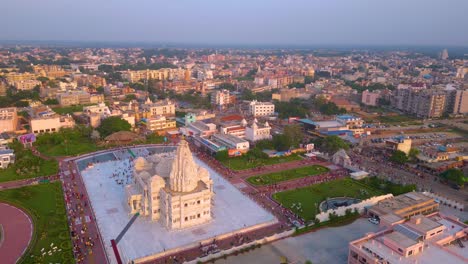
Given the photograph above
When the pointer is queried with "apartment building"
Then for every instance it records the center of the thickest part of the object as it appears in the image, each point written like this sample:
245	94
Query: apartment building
161	74
457	101
159	124
430	103
370	98
78	98
222	98
159	108
261	108
25	85
8	119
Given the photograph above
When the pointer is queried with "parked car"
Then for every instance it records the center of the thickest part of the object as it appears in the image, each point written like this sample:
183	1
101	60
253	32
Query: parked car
373	220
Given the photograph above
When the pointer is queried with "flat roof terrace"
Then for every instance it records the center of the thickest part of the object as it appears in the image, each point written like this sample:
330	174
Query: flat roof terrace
232	212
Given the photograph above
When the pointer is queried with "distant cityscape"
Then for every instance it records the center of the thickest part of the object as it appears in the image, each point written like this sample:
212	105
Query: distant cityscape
228	155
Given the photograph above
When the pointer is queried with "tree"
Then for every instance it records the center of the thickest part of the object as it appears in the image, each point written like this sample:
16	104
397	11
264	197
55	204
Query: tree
113	124
222	155
95	136
294	135
130	97
281	142
399	157
413	153
51	102
100	90
227	86
332	144
454	175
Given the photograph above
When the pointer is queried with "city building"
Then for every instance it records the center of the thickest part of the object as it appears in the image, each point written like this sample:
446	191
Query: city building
261	108
199	128
370	98
159	124
231	142
7	157
403	206
171	188
159	108
353	123
8	119
44	120
401	144
25	85
435	238
257	131
161	74
457	101
429	103
222	98
101	109
78	98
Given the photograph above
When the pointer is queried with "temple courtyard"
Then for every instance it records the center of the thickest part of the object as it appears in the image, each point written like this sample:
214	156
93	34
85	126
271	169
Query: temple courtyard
232	212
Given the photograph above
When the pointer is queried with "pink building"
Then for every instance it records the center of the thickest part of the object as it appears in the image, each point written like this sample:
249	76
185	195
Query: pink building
370	98
422	239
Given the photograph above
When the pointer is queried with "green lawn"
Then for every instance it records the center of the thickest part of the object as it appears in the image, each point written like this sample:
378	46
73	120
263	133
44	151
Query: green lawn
275	177
27	166
72	147
66	142
243	163
396	119
68	109
46	206
310	197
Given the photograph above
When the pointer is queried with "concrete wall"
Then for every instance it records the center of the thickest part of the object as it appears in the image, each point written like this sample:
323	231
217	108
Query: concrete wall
324	216
234	249
206	241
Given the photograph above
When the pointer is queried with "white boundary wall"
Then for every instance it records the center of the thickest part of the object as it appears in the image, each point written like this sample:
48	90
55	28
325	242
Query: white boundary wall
324	216
232	250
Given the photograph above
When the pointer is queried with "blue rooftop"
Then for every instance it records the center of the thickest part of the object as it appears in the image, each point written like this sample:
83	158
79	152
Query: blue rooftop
307	121
346	117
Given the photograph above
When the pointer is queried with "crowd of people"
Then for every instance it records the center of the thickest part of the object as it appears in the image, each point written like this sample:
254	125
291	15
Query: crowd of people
78	216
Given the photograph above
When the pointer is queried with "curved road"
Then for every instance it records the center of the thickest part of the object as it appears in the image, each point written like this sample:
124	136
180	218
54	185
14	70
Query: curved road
17	232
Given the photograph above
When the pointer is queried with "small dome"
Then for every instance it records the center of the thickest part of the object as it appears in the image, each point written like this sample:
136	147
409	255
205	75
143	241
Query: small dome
141	164
157	181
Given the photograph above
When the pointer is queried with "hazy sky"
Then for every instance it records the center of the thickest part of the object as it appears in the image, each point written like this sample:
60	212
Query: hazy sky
300	22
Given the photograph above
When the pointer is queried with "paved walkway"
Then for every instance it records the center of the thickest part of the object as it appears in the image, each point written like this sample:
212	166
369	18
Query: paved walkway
17	233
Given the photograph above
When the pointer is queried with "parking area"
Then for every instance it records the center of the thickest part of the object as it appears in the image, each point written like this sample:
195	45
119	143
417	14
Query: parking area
328	245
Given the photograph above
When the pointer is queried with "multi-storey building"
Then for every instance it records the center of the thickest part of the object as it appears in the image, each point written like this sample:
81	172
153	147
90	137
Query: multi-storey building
161	74
370	98
8	119
159	124
422	103
25	84
222	98
79	97
159	108
457	101
261	108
